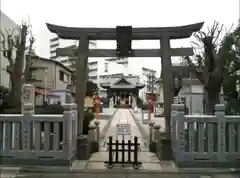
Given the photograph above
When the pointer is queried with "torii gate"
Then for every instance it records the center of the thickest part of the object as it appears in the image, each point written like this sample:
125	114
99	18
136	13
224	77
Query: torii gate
164	34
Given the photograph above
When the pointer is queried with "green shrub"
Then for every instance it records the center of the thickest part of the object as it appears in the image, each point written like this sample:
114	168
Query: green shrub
139	102
88	117
45	109
144	106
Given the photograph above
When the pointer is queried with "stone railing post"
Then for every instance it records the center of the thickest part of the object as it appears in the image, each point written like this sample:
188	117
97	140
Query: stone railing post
28	99
180	141
151	124
91	131
151	135
174	125
97	123
221	129
75	124
28	103
92	134
157	133
68	129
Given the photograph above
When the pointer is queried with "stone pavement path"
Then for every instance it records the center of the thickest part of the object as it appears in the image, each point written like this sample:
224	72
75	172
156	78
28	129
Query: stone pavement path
149	160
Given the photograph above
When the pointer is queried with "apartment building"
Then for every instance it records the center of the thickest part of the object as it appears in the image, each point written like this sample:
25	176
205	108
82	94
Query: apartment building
148	78
93	71
5	24
53	45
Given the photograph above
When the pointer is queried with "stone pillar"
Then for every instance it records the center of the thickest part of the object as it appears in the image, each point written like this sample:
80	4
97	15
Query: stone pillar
28	99
167	78
28	102
221	130
157	133
151	124
68	127
81	80
91	130
174	125
180	140
97	123
92	134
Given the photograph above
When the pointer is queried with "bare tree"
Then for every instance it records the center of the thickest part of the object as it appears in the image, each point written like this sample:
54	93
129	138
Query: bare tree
29	61
16	44
209	64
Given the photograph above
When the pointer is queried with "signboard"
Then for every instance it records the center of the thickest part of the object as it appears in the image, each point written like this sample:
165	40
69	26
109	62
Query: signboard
145	119
123	129
135	109
159	110
145	116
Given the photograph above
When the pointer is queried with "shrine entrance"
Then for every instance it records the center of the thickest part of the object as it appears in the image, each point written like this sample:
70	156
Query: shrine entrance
123	92
124	36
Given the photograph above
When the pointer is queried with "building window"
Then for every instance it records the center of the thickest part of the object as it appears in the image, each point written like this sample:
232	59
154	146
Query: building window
61	76
106	67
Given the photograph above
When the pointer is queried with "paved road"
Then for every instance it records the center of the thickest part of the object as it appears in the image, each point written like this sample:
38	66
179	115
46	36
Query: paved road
127	175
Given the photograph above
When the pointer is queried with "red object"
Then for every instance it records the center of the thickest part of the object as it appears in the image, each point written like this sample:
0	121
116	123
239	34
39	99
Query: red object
97	101
149	108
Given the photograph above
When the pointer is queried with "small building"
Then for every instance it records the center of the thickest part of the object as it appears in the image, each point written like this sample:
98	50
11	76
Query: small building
48	75
191	90
123	90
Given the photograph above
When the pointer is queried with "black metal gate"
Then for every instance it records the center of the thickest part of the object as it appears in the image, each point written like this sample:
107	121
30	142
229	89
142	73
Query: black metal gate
119	148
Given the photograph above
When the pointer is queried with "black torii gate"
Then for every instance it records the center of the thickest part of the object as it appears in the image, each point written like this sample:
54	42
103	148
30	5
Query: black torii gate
164	34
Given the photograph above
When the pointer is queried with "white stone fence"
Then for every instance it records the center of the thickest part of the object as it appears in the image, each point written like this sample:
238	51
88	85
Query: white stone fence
205	139
26	136
30	136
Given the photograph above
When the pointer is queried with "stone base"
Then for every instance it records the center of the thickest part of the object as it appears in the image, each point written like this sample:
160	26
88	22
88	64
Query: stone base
152	147
94	146
165	150
83	148
208	164
36	162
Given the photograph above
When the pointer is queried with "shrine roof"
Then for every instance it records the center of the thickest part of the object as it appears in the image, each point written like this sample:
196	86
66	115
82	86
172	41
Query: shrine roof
145	33
122	83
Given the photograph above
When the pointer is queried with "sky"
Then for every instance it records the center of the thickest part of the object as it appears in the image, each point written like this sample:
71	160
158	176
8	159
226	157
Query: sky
110	13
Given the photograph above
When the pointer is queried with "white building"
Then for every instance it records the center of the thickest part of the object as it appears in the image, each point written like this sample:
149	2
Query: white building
53	45
5	24
148	78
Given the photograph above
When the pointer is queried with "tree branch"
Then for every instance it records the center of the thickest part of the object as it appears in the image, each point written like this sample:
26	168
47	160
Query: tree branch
195	69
